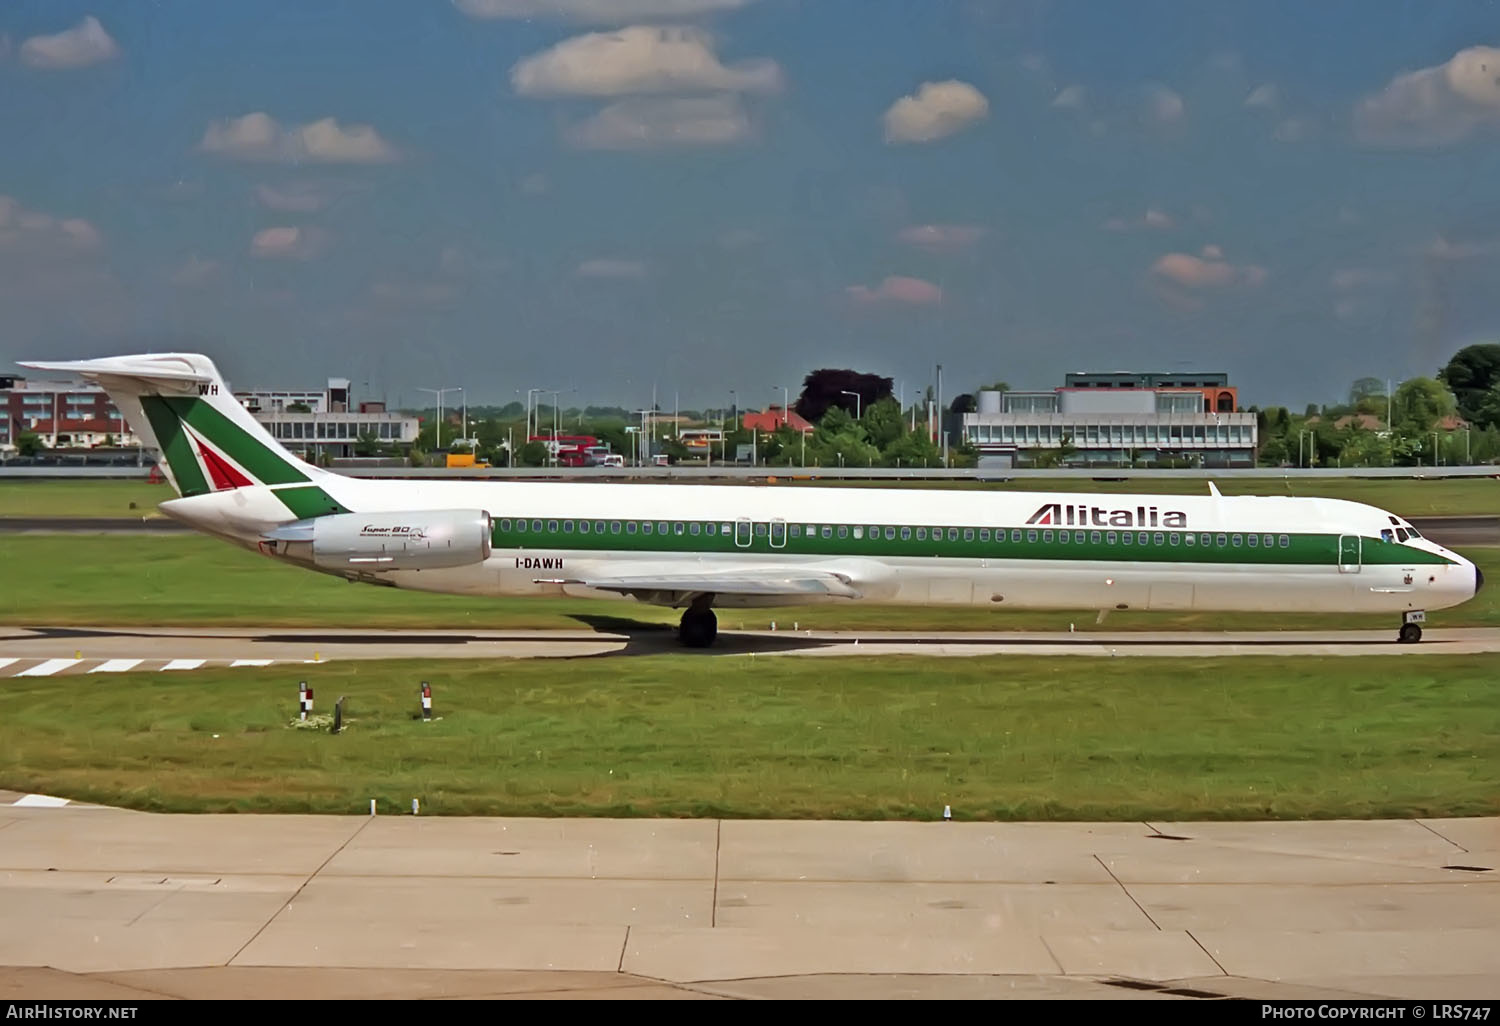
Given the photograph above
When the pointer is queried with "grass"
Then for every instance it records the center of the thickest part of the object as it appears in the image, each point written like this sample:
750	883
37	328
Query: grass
734	736
123	580
1411	497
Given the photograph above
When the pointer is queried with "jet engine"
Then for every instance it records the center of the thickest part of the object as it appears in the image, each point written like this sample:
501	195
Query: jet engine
416	540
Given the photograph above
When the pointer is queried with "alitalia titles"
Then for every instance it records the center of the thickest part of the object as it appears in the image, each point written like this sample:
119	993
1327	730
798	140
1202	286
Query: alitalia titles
1055	514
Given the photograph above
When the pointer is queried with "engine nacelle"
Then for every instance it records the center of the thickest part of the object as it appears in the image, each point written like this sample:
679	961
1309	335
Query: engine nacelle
416	540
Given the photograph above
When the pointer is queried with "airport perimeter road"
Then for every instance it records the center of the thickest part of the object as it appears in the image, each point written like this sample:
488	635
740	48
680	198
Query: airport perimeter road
45	652
106	903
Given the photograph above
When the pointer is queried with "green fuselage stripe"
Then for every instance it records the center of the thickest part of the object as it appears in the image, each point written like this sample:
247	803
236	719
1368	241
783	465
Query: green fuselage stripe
239	445
1019	543
175	445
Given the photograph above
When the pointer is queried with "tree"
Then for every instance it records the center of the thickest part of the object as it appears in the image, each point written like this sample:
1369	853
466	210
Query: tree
1421	402
883	423
28	444
912	449
299	408
533	454
1365	388
963	403
823	389
1472	373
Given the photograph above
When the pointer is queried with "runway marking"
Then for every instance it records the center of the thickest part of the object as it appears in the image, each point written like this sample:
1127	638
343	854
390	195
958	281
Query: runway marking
251	662
184	664
40	801
116	665
5	662
48	668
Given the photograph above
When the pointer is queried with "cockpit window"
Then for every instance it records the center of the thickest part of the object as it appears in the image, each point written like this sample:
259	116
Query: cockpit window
1401	533
1413	532
1385	534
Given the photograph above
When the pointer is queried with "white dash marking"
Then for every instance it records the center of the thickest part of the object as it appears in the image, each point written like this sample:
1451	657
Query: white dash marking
116	665
251	662
5	662
184	664
41	801
48	668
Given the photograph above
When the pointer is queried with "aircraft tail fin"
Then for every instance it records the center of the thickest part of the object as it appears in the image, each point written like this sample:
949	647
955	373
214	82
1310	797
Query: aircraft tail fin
178	404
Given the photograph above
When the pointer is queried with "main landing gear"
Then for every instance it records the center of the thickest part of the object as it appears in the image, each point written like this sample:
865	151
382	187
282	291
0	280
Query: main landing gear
699	626
1411	626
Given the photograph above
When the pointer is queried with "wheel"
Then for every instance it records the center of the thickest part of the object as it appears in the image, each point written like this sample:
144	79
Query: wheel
1411	633
698	630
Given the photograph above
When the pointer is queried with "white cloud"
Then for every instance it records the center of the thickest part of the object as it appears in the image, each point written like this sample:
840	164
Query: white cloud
1210	270
1292	130
937	110
1166	105
31	231
639	59
652	122
896	289
414	292
259	137
287	243
1152	218
1070	96
941	236
294	197
195	271
609	268
1347	278
84	44
53	276
1435	106
605	12
1266	95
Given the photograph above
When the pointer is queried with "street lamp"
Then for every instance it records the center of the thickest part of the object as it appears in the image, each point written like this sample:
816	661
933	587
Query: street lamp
786	402
440	392
856	401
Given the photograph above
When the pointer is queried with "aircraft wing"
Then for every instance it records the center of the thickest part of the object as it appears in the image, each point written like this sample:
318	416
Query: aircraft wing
767	581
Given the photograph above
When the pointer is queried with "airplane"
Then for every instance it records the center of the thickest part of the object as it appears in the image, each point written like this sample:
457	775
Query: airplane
697	547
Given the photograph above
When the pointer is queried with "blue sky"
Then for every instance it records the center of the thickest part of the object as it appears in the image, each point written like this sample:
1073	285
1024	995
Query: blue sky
705	195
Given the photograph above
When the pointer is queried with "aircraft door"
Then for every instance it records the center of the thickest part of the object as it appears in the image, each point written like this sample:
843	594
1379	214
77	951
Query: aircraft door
1350	551
742	533
778	533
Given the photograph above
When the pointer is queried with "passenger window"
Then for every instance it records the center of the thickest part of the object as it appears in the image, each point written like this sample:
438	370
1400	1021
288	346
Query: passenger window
536	525
1031	537
630	527
1078	537
552	526
614	527
661	528
1129	539
1285	541
1062	536
646	527
1191	539
598	527
708	528
521	526
796	530
890	534
1109	539
827	531
921	534
1223	540
859	532
694	528
1207	540
505	525
1145	537
1236	540
984	534
953	534
1160	538
583	526
1253	540
1094	537
1173	537
1015	534
723	528
679	528
1046	536
760	530
1269	541
812	529
843	531
968	534
906	534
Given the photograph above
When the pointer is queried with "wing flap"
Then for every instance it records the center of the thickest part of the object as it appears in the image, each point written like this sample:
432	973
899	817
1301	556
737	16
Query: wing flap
768	582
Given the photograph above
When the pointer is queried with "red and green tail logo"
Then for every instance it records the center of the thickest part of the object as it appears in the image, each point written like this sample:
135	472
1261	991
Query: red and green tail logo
207	452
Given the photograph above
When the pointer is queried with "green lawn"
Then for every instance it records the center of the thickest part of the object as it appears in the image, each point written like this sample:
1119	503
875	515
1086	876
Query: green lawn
1407	497
119	580
736	736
